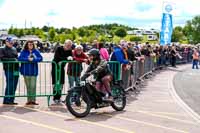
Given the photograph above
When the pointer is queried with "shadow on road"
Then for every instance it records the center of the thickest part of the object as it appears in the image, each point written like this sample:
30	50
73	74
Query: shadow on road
14	109
99	116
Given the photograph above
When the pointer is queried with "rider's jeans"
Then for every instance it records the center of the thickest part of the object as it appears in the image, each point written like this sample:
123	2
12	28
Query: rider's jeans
105	87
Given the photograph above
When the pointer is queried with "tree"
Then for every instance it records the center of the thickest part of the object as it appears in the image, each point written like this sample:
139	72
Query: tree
52	34
68	31
102	38
120	32
40	34
28	32
16	32
192	30
136	39
177	34
188	29
116	39
10	31
62	37
45	28
33	30
81	32
196	29
62	30
21	32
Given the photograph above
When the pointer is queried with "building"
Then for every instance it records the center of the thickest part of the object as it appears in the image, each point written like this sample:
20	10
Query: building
151	34
3	32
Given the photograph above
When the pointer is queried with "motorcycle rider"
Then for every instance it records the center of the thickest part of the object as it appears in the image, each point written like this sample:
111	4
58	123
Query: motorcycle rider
100	69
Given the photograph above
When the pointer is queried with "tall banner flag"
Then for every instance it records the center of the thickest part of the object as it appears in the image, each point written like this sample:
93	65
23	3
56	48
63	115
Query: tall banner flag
167	24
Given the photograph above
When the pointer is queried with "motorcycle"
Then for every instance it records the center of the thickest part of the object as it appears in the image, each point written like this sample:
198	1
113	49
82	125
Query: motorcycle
82	98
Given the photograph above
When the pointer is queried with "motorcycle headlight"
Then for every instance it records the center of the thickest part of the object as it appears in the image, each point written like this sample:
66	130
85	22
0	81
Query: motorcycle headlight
82	83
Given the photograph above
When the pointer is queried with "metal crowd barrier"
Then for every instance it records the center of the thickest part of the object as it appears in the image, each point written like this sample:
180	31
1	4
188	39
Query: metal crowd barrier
44	87
145	67
73	70
186	57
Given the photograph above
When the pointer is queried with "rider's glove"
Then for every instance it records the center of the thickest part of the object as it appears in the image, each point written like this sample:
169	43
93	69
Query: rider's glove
85	76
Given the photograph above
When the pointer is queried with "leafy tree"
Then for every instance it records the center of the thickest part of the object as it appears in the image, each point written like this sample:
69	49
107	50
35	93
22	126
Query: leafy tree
116	39
28	32
52	34
81	32
45	28
120	32
68	31
63	37
16	32
192	30
102	38
10	31
70	36
196	29
177	34
136	39
40	34
33	30
21	32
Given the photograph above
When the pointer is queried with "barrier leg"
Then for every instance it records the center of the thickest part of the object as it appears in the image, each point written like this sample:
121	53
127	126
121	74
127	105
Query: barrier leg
48	100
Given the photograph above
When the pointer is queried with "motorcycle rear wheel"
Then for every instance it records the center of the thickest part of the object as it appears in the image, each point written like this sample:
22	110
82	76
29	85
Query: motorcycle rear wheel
119	102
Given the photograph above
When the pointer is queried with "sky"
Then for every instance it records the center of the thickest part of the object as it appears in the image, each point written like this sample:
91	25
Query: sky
144	14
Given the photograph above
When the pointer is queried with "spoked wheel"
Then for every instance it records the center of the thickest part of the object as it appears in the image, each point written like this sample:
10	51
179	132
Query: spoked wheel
119	102
78	104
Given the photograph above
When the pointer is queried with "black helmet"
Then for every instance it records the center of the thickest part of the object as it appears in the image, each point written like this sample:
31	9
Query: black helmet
95	53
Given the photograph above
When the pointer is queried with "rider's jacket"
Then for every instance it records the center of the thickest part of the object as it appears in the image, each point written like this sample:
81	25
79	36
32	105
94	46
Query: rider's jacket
98	70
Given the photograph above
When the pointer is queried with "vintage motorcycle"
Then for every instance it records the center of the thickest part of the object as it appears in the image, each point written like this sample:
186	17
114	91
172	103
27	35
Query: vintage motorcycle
82	98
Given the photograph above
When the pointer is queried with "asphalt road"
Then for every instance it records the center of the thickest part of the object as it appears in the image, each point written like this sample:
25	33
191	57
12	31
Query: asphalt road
187	85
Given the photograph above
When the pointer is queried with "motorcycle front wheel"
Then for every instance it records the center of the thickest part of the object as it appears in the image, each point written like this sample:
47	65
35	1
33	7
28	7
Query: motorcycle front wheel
78	104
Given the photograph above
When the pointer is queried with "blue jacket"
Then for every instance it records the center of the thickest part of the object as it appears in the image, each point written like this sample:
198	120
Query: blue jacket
118	55
30	68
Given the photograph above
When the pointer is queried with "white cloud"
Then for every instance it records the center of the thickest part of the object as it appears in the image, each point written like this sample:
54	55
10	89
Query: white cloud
69	13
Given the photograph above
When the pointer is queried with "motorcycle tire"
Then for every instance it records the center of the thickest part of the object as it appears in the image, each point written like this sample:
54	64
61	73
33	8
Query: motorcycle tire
121	96
85	98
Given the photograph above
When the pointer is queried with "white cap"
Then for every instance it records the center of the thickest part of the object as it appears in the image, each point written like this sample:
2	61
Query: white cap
79	47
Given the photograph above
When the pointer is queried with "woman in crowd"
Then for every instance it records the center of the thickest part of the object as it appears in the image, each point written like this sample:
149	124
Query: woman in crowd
29	69
103	52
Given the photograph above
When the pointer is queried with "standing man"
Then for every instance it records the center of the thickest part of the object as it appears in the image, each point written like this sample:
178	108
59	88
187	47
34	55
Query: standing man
173	56
11	70
195	57
62	53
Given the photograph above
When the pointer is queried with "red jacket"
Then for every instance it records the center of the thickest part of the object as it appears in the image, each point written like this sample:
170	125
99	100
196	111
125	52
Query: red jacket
79	58
75	69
